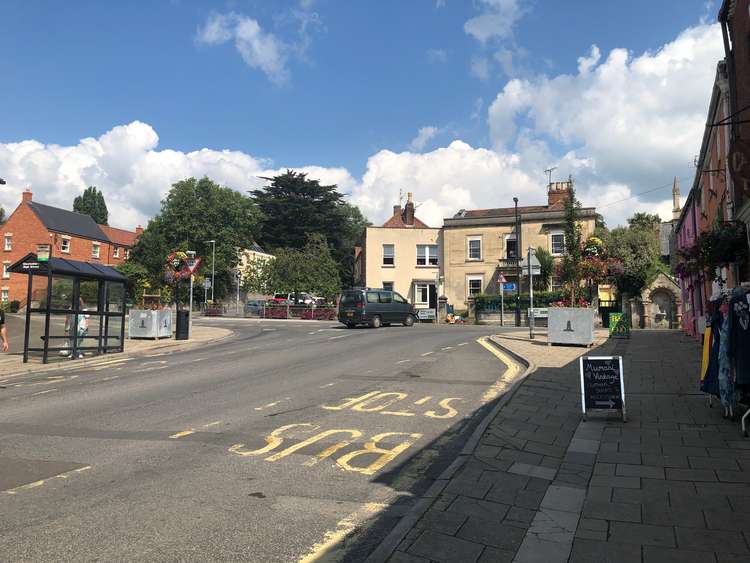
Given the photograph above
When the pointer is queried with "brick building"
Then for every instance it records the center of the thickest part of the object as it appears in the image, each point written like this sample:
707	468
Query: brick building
72	235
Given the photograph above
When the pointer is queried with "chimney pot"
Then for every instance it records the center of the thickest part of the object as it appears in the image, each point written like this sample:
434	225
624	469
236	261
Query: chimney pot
26	196
408	215
396	209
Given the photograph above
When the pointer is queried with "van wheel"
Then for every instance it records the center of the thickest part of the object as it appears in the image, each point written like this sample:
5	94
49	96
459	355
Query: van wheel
375	323
409	320
350	325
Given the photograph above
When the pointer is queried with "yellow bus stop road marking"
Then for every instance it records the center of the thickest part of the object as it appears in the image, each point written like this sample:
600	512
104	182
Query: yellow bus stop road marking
182	434
502	382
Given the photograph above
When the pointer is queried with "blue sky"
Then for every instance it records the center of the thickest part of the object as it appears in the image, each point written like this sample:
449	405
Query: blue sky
349	79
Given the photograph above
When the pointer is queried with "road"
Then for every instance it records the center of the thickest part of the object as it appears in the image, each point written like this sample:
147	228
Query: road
284	441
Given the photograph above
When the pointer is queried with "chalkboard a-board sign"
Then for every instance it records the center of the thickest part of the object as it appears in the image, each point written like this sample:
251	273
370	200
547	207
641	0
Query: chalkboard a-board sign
602	384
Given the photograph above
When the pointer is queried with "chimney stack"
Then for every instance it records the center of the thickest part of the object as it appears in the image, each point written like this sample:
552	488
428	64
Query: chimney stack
676	199
26	195
397	209
139	230
409	210
558	192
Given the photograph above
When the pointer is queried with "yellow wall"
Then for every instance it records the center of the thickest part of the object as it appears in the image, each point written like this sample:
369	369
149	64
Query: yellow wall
405	270
458	268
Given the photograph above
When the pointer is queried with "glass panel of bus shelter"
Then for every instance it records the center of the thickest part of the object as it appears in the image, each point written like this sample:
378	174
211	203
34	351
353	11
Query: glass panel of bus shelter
38	291
115	293
89	292
113	332
62	292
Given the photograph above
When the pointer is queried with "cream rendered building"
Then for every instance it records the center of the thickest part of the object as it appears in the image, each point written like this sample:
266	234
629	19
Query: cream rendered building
403	255
479	246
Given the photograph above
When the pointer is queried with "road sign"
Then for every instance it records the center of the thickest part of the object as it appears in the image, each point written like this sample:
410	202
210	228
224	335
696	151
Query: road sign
426	314
501	279
207	283
192	264
509	286
602	384
42	252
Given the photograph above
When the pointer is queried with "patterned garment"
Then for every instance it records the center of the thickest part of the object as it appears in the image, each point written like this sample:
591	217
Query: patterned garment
726	383
739	331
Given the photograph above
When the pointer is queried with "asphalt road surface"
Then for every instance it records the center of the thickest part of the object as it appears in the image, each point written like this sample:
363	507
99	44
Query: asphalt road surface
285	441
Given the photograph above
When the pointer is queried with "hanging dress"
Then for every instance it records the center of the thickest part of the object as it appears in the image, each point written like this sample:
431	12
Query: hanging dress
726	382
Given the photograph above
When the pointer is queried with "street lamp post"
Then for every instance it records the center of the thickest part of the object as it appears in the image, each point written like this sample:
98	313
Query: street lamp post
213	267
518	264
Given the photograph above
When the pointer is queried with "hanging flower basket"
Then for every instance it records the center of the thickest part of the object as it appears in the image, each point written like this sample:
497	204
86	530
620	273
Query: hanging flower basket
724	244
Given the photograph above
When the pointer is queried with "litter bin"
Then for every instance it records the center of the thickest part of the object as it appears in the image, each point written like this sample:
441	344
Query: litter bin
183	325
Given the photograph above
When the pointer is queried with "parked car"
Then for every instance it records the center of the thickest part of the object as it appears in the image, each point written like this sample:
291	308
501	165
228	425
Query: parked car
255	307
293	298
375	308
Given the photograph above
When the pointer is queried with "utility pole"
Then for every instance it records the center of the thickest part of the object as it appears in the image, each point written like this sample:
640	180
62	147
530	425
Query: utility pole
531	296
518	264
213	267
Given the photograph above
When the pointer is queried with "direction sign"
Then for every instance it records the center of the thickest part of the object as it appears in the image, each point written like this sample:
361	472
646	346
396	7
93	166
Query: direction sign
602	384
511	286
207	283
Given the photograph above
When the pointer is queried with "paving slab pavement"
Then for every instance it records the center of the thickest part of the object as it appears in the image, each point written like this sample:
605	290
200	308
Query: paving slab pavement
542	485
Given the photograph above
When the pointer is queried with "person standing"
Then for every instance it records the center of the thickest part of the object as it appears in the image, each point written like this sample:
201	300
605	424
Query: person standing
3	331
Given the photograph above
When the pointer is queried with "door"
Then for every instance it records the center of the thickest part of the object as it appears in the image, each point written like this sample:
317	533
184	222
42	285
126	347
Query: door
388	310
433	296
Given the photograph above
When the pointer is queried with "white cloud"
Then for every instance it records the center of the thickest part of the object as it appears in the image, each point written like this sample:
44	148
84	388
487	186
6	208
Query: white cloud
424	135
480	67
259	49
638	120
437	55
496	20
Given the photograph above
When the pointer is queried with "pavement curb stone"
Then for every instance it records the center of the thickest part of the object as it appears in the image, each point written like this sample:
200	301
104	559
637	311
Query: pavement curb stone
390	543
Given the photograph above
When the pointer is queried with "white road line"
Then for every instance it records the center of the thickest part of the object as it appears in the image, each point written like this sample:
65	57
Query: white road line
268	330
328	385
426	354
43	392
110	378
268	406
402	361
447	348
154	362
341	336
212	424
155	368
463	344
197	360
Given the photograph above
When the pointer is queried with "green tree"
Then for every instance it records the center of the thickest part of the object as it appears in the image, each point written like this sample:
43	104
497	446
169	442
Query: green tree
194	212
644	221
91	202
138	279
546	267
294	206
636	249
310	268
257	276
570	267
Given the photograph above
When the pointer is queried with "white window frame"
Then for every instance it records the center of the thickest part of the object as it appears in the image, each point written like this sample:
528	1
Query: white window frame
551	243
116	252
4	294
63	247
6	273
417	298
392	256
469	240
426	255
471	278
8	242
127	254
96	250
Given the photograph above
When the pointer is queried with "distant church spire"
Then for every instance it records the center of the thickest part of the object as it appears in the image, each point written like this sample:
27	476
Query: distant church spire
676	199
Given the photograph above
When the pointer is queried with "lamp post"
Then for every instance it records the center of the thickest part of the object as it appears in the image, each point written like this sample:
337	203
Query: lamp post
213	267
518	264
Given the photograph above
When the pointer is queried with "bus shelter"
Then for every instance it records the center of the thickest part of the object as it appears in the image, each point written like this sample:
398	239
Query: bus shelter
72	308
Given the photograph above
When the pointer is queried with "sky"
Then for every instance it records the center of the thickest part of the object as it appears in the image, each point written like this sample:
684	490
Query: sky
465	103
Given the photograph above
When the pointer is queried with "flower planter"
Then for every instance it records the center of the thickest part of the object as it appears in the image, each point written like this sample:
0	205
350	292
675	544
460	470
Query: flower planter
570	325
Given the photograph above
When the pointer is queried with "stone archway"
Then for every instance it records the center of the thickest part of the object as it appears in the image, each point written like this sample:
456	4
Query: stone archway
662	304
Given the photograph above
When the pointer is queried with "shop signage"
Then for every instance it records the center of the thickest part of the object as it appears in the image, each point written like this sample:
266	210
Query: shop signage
30	265
539	312
619	325
602	384
426	314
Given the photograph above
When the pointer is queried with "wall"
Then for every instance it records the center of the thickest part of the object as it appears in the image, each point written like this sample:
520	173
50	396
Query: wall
405	269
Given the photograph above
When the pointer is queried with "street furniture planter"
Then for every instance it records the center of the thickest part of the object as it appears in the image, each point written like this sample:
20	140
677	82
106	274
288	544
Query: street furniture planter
150	323
570	325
